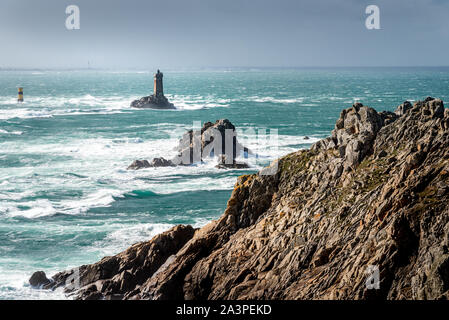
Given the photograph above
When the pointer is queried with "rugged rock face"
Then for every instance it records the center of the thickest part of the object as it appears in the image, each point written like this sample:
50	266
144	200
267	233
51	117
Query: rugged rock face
375	193
156	162
39	280
223	163
217	139
153	102
112	277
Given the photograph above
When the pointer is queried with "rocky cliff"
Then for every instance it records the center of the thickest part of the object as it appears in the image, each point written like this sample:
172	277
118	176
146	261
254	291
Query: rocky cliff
374	193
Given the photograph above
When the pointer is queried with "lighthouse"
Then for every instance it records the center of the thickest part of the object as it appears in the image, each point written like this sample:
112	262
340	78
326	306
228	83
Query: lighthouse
158	86
157	100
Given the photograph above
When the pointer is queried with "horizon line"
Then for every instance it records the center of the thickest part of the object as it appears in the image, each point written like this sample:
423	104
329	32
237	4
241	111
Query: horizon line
206	67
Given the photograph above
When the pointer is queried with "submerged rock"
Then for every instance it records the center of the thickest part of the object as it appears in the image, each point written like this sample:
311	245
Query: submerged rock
313	230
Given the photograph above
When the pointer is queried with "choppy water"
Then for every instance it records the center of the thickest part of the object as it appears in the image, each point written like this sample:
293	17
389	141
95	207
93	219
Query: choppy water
66	197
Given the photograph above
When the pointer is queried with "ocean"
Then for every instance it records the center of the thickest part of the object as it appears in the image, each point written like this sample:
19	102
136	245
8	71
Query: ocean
66	198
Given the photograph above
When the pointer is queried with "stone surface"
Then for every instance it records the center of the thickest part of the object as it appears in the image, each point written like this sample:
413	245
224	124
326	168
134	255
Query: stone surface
371	194
156	162
233	164
113	277
403	108
39	279
212	140
139	164
354	132
153	102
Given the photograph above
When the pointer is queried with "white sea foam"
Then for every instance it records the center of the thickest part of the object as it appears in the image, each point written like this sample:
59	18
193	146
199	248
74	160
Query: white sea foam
309	104
99	198
14	286
333	98
124	235
24	113
106	159
196	102
49	106
272	146
275	100
99	160
99	169
18	133
14	195
29	209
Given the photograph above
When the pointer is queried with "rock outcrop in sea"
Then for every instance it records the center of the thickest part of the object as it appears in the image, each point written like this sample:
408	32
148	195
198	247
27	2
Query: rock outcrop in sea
217	139
157	100
375	193
153	102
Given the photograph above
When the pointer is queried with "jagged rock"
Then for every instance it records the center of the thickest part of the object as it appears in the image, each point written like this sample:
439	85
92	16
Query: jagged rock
39	279
113	277
403	108
388	117
161	162
153	102
156	162
354	132
222	164
212	140
139	164
311	230
434	108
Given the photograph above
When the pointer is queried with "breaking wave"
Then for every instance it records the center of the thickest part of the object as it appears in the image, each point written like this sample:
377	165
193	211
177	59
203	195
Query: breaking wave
17	133
48	107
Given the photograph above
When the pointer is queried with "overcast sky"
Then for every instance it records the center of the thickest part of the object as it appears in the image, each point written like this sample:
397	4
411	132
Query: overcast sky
140	34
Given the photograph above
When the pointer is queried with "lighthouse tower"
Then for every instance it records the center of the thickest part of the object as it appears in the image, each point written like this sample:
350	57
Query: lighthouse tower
158	86
157	100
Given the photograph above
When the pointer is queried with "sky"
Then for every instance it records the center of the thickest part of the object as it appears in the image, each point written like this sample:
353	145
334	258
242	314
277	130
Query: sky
141	34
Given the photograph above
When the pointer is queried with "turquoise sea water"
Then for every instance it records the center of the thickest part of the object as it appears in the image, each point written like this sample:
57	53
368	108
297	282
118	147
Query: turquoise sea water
66	198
